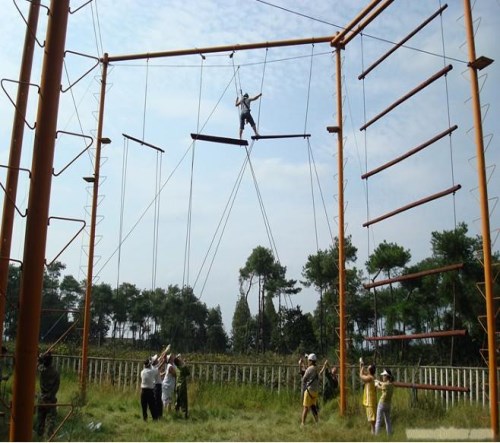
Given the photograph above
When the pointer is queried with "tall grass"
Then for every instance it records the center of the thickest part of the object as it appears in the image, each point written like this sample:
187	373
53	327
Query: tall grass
244	413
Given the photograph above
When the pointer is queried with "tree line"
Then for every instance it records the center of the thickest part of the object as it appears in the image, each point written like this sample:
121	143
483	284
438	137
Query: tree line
150	318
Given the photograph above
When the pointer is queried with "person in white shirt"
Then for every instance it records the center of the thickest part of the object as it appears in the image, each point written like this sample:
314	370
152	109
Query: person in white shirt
147	391
168	384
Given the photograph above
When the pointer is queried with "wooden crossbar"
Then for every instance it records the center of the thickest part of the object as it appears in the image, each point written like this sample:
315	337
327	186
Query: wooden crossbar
414	275
436	334
402	42
400	384
428	199
216	139
410	152
258	137
142	142
410	94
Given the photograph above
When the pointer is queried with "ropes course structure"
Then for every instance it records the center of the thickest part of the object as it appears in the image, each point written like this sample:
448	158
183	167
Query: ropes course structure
339	42
407	156
35	240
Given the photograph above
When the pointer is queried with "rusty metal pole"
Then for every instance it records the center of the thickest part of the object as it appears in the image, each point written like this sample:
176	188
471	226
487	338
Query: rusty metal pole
30	298
341	264
16	145
93	218
485	222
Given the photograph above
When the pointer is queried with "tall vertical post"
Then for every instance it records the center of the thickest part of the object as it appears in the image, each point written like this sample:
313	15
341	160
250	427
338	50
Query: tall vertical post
93	218
341	264
30	297
16	144
485	221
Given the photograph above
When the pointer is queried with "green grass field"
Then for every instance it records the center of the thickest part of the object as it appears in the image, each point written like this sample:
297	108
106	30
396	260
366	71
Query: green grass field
243	413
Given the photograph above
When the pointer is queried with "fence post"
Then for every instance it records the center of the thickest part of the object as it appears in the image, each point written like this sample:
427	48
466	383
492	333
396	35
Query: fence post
279	379
435	381
482	388
119	374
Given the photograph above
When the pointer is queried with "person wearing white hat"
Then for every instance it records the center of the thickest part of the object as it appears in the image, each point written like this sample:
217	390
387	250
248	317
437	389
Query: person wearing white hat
384	404
310	381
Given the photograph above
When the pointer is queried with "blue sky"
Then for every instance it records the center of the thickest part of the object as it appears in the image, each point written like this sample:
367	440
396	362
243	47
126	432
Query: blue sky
163	100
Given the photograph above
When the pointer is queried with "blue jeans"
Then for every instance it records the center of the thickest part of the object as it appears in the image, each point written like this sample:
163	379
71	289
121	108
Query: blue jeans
383	412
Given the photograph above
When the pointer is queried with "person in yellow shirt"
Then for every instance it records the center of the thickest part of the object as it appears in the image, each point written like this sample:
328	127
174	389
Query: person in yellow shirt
384	404
367	375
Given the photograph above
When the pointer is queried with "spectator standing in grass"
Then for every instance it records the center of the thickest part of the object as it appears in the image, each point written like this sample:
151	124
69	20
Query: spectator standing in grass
181	393
147	391
367	376
4	376
331	382
302	371
384	404
155	364
310	382
168	383
49	386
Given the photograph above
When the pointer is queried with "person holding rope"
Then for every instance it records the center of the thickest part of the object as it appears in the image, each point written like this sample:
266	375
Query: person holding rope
310	382
367	376
147	391
168	383
245	114
157	363
181	391
384	404
331	381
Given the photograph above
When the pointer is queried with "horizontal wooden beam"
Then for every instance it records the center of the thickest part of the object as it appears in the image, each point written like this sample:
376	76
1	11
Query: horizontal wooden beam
339	37
410	152
413	275
216	49
436	334
216	139
401	42
428	199
410	94
142	142
400	384
259	137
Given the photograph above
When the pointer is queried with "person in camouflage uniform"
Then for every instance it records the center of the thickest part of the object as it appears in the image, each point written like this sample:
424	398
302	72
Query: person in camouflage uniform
49	385
181	393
